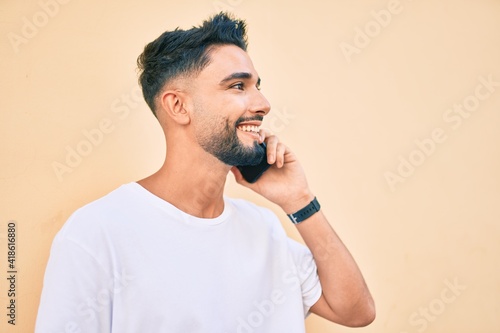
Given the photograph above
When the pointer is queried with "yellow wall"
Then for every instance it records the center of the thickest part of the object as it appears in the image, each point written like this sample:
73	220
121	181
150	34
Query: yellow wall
351	106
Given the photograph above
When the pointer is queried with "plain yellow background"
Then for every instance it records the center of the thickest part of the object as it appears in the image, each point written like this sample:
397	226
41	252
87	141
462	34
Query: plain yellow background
357	99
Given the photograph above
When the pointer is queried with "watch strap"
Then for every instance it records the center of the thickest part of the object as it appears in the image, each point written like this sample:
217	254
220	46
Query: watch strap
306	212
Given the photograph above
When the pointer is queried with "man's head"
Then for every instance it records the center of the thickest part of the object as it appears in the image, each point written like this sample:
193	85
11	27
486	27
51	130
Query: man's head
202	86
185	53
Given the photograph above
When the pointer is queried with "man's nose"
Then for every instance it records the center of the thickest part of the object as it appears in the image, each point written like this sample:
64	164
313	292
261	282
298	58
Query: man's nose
261	104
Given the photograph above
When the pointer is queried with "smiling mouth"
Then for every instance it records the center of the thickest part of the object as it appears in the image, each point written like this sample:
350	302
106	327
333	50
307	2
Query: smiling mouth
248	128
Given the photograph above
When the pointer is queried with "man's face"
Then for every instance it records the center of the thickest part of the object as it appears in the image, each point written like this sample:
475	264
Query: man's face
229	108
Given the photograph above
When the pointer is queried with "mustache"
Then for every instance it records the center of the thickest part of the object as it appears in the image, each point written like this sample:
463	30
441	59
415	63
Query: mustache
243	119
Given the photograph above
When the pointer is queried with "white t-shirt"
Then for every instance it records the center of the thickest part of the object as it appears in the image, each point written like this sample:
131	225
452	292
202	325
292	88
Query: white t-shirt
131	262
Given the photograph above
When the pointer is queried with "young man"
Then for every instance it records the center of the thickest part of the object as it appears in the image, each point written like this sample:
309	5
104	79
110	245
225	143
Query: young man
171	253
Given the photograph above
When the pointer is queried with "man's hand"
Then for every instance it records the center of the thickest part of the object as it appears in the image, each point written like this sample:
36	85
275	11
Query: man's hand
284	183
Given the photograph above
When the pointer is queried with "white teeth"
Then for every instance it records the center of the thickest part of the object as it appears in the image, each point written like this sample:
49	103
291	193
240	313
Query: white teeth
249	128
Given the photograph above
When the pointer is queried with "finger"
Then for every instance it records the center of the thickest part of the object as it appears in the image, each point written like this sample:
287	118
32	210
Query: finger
280	155
263	134
272	146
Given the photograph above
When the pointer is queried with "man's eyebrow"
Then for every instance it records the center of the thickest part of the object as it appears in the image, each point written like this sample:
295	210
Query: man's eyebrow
238	75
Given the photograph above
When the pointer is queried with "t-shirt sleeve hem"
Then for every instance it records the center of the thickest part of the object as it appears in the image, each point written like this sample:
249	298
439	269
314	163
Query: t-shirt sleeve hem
312	300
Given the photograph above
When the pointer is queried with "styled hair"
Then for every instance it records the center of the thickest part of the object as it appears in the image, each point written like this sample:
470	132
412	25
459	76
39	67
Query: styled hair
185	52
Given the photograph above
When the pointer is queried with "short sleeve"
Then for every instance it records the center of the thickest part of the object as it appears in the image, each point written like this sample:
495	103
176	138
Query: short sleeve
77	294
307	274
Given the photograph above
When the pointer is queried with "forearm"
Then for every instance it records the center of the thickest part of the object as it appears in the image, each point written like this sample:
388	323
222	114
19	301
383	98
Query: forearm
342	282
344	288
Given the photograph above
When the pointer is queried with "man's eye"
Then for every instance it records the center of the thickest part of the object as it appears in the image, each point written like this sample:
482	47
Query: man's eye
238	86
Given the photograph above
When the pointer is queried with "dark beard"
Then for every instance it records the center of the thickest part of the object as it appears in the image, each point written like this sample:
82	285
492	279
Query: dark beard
229	150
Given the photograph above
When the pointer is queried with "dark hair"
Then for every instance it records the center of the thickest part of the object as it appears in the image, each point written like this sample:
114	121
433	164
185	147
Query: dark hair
185	52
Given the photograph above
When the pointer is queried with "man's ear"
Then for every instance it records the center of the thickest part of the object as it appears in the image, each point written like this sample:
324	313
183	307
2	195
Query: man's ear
173	105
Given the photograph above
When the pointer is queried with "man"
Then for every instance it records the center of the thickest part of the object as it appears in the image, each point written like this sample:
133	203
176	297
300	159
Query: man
170	253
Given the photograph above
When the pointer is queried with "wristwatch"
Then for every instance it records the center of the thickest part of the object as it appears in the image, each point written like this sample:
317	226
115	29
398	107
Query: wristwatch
306	212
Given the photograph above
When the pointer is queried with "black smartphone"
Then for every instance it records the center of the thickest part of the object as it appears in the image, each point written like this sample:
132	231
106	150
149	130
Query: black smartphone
252	172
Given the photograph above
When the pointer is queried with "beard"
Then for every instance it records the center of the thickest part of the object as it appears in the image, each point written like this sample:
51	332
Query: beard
224	144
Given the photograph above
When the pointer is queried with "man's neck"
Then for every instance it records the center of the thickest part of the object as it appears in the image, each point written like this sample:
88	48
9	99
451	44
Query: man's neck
193	184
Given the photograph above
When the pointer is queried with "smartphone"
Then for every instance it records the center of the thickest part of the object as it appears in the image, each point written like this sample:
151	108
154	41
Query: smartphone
252	172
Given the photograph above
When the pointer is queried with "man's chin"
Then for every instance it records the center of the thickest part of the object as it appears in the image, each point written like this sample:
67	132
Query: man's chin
237	152
253	146
253	155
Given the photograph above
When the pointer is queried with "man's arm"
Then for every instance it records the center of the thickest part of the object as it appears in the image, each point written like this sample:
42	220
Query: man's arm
346	299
